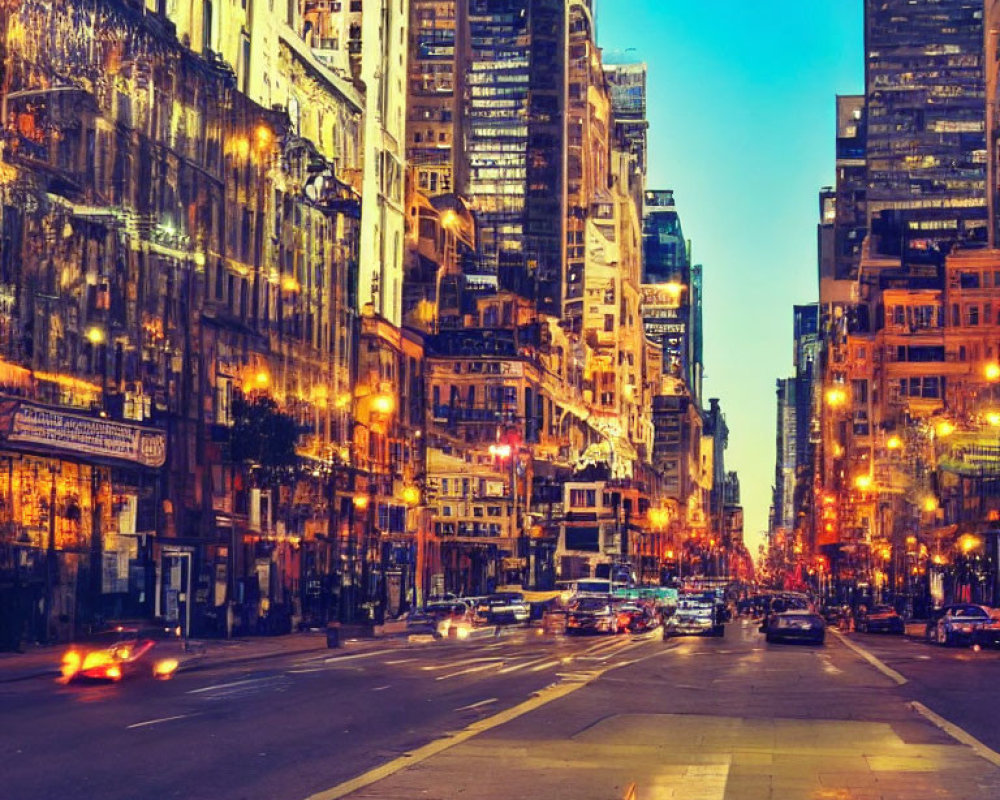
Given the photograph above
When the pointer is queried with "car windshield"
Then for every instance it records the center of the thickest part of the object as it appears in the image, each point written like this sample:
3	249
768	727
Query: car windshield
590	604
594	587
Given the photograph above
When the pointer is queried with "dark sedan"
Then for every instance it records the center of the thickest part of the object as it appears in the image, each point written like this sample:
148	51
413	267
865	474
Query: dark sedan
881	619
796	626
956	623
592	615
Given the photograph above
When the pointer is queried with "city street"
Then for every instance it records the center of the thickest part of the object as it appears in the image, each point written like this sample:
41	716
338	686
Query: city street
523	715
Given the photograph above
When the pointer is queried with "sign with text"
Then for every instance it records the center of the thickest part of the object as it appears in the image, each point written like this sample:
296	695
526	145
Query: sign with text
26	423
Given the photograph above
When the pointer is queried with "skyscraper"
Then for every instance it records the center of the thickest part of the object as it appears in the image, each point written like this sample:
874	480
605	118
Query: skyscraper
513	142
926	150
431	111
627	85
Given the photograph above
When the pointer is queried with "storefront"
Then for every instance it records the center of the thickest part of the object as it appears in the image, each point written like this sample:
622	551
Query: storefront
77	511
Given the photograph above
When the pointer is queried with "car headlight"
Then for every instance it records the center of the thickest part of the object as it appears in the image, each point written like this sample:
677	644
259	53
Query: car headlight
71	663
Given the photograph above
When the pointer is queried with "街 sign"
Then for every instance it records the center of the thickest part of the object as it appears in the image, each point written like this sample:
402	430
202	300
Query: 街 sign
26	423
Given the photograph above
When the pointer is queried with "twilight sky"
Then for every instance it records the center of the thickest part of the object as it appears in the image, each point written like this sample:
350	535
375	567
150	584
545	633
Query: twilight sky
741	110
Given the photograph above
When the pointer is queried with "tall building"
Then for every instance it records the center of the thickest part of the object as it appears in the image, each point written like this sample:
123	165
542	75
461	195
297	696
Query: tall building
784	473
432	115
665	251
850	211
627	84
925	138
513	79
382	71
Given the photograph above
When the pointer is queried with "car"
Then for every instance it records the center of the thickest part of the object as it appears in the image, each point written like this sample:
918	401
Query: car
780	603
798	625
438	617
637	617
121	651
881	619
503	608
989	634
697	613
956	623
592	615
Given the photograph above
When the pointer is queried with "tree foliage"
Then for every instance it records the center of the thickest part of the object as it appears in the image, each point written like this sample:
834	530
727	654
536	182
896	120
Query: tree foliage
263	436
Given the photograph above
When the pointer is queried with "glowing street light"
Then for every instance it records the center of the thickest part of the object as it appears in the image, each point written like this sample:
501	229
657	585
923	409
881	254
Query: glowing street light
262	379
411	495
384	403
263	137
968	543
835	396
500	450
95	335
863	482
361	501
992	372
945	428
930	504
894	443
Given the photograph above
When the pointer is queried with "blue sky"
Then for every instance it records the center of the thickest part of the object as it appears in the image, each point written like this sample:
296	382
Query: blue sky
741	110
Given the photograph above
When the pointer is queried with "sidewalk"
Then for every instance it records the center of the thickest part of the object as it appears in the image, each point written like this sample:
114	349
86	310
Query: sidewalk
44	661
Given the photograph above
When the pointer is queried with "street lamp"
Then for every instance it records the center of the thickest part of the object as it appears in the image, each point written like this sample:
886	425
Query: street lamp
835	396
384	404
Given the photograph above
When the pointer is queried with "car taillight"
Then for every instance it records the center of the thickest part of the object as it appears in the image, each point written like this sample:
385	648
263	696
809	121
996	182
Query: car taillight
114	672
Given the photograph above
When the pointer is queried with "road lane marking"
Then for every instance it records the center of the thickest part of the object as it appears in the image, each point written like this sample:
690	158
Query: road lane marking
480	704
399	661
247	682
480	668
543	697
957	733
549	694
381	688
462	663
157	721
546	665
333	659
517	667
305	671
874	660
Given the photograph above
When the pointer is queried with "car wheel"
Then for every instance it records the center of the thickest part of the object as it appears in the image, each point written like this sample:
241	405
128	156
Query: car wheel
821	640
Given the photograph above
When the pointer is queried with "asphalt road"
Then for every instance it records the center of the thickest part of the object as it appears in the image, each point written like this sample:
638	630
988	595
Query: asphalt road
536	716
956	682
